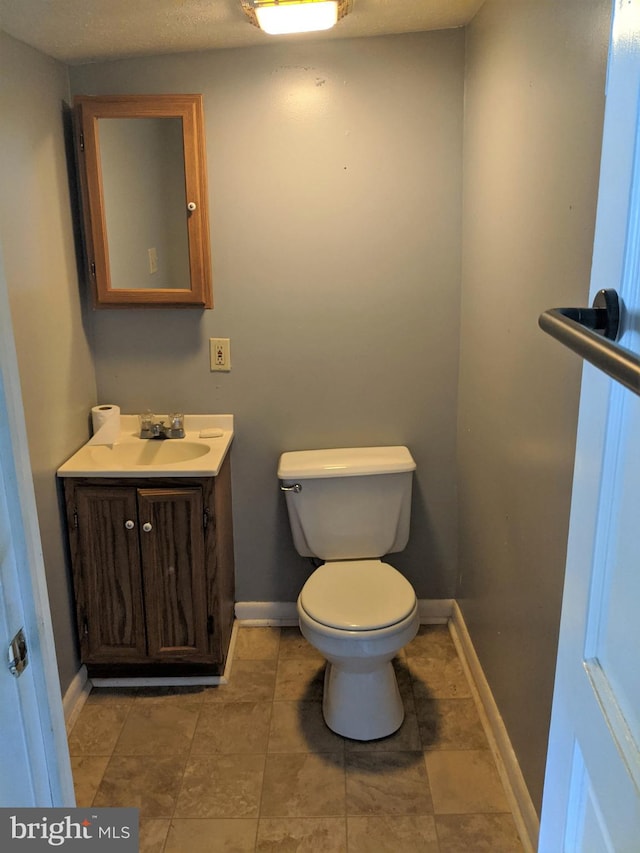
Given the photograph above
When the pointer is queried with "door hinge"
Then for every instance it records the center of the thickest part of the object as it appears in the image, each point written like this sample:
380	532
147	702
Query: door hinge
85	627
209	624
75	517
18	654
205	518
92	267
81	141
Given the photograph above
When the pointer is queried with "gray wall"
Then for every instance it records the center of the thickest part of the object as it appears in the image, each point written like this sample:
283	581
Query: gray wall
55	363
335	203
533	121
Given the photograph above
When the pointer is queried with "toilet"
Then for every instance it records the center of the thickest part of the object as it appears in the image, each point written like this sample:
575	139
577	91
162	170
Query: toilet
349	507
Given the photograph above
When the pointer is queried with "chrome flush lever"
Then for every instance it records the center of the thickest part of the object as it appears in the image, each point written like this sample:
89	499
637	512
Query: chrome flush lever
296	487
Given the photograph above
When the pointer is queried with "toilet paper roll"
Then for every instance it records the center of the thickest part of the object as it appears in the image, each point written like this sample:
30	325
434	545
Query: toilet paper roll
106	424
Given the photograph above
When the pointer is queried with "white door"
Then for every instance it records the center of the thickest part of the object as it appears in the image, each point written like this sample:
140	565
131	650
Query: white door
591	799
34	759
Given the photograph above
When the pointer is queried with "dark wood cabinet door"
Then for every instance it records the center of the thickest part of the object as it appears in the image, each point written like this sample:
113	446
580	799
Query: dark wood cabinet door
173	571
109	594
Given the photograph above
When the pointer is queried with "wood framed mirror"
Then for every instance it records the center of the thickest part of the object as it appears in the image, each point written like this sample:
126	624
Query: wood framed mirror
145	201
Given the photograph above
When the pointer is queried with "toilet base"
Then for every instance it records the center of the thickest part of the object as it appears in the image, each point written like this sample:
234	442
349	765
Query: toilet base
362	705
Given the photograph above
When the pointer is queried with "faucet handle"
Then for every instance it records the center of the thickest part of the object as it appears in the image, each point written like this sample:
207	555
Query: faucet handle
176	421
146	420
146	424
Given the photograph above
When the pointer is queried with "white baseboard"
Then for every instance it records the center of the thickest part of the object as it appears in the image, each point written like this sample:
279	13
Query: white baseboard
434	611
160	681
255	614
74	700
524	813
75	696
251	614
176	680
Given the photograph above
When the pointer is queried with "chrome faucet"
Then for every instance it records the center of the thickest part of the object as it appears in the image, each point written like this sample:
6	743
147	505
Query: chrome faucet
150	428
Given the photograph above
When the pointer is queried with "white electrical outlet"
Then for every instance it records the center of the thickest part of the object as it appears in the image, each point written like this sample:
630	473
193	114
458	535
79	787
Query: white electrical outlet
220	353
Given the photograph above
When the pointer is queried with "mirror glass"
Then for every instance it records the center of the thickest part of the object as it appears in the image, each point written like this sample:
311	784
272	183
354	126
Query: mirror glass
143	185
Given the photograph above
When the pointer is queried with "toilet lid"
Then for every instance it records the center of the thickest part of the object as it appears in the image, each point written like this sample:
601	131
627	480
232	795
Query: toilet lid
359	595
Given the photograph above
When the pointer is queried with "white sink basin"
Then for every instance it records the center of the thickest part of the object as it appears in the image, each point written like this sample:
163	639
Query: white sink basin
195	455
147	452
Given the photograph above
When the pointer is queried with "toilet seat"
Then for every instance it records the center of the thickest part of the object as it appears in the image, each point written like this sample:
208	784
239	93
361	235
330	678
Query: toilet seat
357	595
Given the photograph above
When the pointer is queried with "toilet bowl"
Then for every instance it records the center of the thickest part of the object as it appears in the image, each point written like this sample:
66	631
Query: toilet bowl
350	507
359	614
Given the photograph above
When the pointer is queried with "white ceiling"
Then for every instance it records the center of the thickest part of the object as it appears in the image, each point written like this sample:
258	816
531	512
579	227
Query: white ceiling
77	31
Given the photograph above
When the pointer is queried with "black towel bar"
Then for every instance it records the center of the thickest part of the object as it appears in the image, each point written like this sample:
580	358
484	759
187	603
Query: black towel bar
591	332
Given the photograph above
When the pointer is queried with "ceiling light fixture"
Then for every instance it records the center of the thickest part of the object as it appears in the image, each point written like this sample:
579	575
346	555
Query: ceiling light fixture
278	17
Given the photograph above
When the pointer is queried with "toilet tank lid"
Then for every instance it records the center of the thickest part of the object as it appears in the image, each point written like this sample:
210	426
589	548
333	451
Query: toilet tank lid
345	462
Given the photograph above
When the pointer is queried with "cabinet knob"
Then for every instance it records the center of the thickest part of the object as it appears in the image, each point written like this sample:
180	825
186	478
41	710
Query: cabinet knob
147	526
192	206
129	524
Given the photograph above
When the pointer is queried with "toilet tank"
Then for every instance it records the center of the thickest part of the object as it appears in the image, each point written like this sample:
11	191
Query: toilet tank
352	503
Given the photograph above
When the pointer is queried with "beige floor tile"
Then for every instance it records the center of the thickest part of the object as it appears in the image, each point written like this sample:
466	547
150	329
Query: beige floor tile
300	678
145	782
111	695
438	678
158	729
464	782
302	835
387	783
255	768
294	645
232	727
300	727
251	681
221	835
405	834
87	773
478	833
97	729
189	696
257	644
303	785
450	724
153	834
221	786
431	641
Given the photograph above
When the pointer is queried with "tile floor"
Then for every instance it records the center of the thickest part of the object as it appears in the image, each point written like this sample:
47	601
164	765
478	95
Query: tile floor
250	766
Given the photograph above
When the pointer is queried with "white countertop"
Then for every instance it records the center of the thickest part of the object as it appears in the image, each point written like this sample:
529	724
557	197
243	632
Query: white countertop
132	456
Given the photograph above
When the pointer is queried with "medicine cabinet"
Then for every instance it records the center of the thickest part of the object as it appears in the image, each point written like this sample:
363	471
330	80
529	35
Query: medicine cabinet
144	197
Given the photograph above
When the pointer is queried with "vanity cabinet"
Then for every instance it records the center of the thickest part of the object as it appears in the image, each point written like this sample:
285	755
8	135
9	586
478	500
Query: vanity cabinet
152	563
